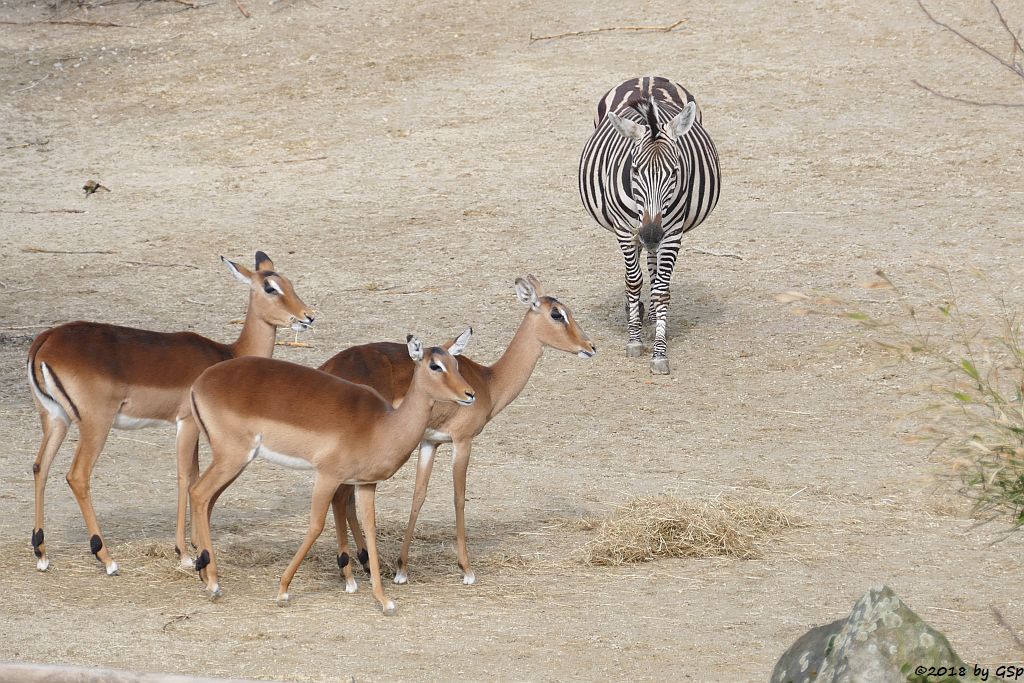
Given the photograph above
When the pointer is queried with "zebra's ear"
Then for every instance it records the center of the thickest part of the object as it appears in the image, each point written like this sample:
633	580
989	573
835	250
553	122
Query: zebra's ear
626	128
527	294
681	122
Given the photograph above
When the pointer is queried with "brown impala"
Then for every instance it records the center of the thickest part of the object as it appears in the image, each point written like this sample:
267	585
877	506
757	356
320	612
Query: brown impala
101	376
383	366
307	419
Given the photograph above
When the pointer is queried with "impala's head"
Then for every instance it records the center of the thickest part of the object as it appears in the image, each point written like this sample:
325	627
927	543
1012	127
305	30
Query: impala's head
273	297
657	176
553	322
440	369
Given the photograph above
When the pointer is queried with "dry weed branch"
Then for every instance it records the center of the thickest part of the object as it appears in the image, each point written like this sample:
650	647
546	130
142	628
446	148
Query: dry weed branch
653	29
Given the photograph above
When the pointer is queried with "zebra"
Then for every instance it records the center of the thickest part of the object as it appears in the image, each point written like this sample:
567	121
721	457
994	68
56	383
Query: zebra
649	173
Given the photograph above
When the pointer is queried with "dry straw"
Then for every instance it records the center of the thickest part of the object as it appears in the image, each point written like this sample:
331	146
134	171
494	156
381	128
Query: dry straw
649	528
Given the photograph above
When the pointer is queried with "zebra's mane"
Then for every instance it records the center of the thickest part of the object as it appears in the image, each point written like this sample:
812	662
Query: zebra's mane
648	109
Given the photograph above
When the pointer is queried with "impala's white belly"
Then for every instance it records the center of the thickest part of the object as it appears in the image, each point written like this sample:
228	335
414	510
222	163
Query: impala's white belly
437	436
122	421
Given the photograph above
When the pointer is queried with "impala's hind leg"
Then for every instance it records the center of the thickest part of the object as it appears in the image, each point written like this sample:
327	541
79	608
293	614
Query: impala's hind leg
93	432
54	431
424	465
228	463
340	506
460	465
324	490
187	444
365	502
357	534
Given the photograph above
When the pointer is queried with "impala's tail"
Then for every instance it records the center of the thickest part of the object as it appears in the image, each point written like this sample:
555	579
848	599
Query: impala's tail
44	391
199	418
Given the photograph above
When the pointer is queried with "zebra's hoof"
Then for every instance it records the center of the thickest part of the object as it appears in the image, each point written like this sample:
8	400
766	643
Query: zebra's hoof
634	349
659	366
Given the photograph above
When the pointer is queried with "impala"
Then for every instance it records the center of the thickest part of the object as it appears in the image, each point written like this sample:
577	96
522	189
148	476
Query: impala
101	376
383	366
307	419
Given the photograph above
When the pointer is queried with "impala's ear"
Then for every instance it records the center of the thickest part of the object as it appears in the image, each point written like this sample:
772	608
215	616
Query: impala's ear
681	122
459	345
626	128
241	273
263	261
415	347
537	286
527	293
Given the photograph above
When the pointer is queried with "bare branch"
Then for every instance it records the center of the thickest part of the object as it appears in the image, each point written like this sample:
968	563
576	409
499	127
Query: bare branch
661	29
964	100
1013	36
241	8
967	40
67	22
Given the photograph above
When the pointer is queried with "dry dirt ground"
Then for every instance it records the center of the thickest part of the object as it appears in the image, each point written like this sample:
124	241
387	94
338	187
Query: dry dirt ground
403	162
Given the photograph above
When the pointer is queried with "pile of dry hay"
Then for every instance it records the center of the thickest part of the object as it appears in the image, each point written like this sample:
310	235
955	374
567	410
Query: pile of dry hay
648	528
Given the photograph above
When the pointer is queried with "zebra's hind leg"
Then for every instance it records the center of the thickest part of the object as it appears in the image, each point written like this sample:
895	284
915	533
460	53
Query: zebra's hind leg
634	285
652	271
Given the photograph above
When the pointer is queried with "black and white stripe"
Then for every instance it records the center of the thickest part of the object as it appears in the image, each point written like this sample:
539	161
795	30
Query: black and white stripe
649	173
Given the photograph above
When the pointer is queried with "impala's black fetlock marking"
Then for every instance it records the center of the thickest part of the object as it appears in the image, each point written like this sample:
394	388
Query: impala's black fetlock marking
342	560
95	544
177	551
35	468
461	568
37	542
364	559
202	560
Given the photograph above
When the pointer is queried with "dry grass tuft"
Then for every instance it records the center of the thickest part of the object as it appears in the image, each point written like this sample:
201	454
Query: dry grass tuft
649	528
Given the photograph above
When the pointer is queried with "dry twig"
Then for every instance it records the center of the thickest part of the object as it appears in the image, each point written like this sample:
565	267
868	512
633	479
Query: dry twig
43	211
662	29
241	8
723	254
40	250
162	265
67	22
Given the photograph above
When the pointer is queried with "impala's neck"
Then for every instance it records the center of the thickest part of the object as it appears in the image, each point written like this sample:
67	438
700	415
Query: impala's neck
257	337
512	371
402	428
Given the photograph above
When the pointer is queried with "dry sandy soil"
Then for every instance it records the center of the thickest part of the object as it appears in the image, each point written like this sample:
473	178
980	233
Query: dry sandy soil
403	166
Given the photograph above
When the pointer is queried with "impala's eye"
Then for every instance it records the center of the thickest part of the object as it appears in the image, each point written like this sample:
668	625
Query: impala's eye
435	367
557	315
269	288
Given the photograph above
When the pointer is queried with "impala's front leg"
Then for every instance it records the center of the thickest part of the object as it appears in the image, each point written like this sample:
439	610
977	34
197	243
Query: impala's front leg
187	444
460	465
365	503
660	295
424	466
634	285
340	506
324	489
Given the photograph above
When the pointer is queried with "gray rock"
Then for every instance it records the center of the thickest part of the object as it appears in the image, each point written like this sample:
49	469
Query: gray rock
882	641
